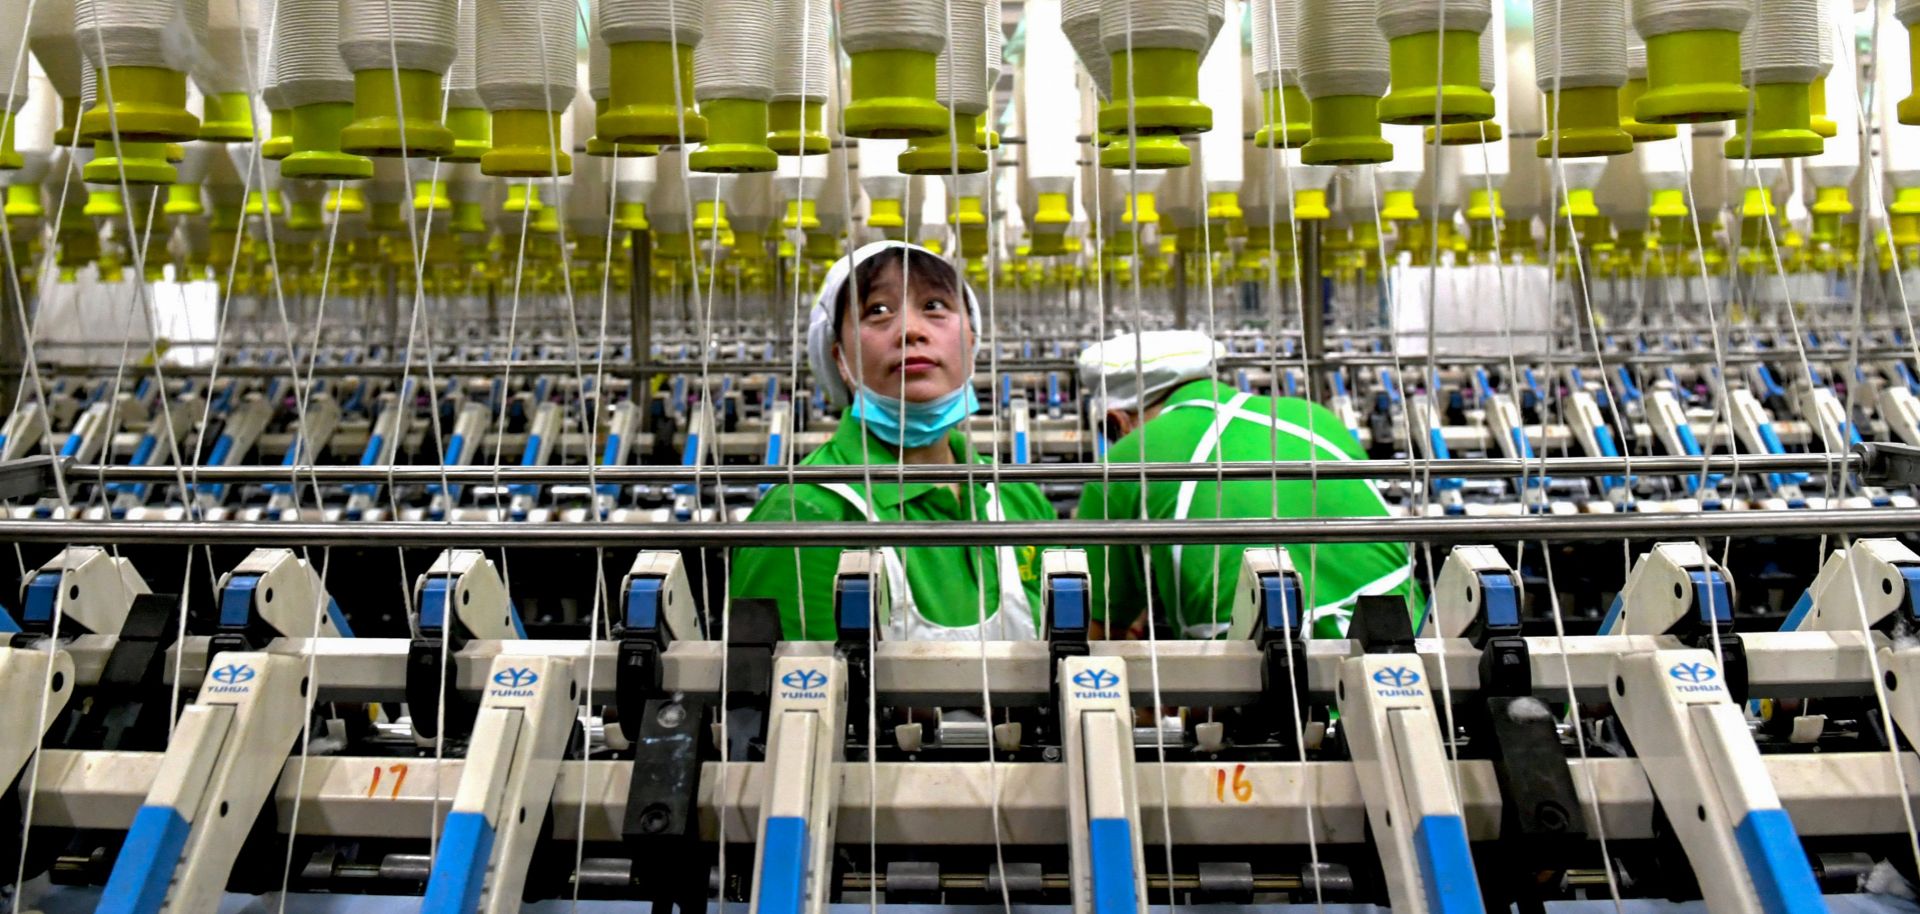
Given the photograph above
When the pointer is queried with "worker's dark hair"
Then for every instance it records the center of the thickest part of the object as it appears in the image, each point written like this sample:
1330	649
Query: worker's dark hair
924	272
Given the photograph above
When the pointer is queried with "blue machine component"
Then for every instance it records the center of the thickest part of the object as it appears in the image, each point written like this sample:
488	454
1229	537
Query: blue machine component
1280	603
1499	600
1629	391
455	445
1777	863
853	604
783	866
529	457
43	593
460	868
144	871
142	455
1110	855
1068	596
236	605
1446	865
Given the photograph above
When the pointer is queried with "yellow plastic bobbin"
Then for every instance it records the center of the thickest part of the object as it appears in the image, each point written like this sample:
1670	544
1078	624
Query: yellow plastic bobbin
1756	203
887	215
710	216
69	120
1817	108
1398	206
1223	205
935	155
1692	77
472	134
1909	108
468	219
1578	204
183	200
227	117
1588	124
893	96
1829	205
140	164
103	203
1470	133
1484	205
608	149
316	145
380	114
1047	244
23	202
1414	60
970	224
630	217
822	246
1149	153
1669	203
1166	93
431	195
1140	209
149	105
10	158
750	245
305	216
800	215
650	95
279	141
273	205
1346	131
347	200
737	139
1286	119
1781	126
1310	205
1641	132
1052	212
794	128
526	144
386	217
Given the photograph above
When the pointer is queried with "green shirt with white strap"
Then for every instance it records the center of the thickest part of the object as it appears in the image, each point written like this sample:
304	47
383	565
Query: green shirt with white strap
1204	421
947	581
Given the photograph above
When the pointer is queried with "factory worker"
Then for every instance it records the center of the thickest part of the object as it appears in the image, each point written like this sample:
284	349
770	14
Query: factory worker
892	340
1167	403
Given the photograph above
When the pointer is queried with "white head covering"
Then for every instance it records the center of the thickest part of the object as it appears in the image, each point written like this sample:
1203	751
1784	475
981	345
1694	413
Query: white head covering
1140	366
821	329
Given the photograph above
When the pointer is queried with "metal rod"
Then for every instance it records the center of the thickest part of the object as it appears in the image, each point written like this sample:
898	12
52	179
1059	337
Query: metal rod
640	305
1465	468
1313	306
1877	521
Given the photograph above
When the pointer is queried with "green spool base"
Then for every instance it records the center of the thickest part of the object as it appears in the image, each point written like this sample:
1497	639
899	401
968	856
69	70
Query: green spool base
378	116
1165	115
1909	110
141	171
893	96
149	107
736	138
732	159
935	156
1457	105
1697	103
1576	142
1649	133
1297	131
600	148
795	143
528	161
1783	143
1824	126
1295	136
380	136
650	124
326	166
1148	152
276	148
899	118
1471	133
1346	132
1346	150
795	129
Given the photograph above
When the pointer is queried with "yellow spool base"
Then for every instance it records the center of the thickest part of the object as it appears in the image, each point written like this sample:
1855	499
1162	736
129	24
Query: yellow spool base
1585	122
1781	126
10	158
183	200
1149	153
600	148
893	96
524	146
1287	119
315	138
1692	78
1470	133
1817	106
141	164
1641	133
737	140
472	134
23	202
794	128
642	107
279	142
149	106
1166	93
227	117
936	156
379	116
1310	206
1416	99
1346	131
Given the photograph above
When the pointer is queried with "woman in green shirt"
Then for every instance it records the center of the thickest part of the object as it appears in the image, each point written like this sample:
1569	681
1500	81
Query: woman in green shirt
903	360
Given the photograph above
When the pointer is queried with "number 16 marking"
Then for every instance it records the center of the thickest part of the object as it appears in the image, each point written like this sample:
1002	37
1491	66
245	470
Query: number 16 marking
1242	788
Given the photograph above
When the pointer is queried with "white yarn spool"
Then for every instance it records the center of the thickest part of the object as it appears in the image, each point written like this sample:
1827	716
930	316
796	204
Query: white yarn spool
735	57
1906	11
633	179
1662	17
232	46
1781	43
961	72
1594	55
880	158
1636	45
307	58
1052	115
1276	43
462	86
1220	148
1080	21
679	21
140	33
264	62
1840	155
1341	49
905	25
529	64
425	34
1399	18
1493	57
1893	81
803	53
1829	14
14	84
599	59
50	34
1132	24
223	184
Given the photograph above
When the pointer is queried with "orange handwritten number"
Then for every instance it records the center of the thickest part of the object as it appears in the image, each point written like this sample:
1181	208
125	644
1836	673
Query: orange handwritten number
399	778
376	782
1242	788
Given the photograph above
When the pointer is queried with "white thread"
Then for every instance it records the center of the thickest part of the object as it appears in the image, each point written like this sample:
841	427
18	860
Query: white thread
1596	55
1490	48
1341	49
50	35
1051	115
1636	48
1662	17
1781	43
88	88
425	34
1080	20
1275	20
232	43
961	71
1906	11
682	21
1183	24
599	59
1828	14
308	58
736	54
140	33
837	200
1399	18
266	60
1489	160
531	54
803	68
463	85
1837	161
1222	148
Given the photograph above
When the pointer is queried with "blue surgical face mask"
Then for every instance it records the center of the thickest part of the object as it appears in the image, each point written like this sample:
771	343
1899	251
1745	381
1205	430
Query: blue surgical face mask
924	423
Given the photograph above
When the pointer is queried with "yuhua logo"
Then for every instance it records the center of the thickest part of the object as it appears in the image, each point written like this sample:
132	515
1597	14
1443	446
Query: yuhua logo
1097	683
1398	682
515	682
804	684
1695	677
232	678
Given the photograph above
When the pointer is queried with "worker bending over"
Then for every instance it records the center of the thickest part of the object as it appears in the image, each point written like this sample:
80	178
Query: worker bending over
894	333
1160	399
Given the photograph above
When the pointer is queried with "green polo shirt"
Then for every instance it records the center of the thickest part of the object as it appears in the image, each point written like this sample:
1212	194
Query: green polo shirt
946	581
1196	583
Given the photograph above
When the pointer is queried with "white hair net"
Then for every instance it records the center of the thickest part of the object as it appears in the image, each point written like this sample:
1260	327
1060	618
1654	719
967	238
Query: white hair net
821	329
1140	366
